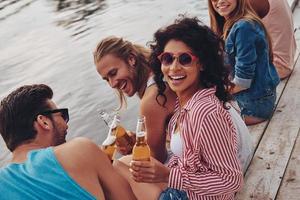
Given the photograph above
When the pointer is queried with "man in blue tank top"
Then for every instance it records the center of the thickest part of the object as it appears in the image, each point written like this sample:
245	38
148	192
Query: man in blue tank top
44	165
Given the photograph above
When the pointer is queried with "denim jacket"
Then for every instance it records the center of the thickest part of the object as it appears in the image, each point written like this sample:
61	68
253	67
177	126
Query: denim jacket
247	51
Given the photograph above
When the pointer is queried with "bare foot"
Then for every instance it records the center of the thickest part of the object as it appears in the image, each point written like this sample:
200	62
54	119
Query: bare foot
249	120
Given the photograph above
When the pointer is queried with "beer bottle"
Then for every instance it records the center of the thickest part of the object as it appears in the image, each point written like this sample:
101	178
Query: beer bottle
122	137
116	133
141	150
108	145
108	119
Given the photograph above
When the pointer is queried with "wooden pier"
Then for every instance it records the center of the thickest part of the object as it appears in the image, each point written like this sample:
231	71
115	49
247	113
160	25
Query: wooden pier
274	172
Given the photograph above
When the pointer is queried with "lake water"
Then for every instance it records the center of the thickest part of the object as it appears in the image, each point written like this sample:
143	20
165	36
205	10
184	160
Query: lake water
51	42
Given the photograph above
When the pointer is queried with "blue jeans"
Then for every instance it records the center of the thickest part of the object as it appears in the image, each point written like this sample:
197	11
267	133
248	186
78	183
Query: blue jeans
173	194
262	107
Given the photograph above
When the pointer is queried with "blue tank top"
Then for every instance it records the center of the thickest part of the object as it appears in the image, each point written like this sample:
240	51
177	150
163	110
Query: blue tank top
40	177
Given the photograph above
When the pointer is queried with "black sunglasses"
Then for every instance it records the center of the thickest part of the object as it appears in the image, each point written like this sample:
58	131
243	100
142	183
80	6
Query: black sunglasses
64	113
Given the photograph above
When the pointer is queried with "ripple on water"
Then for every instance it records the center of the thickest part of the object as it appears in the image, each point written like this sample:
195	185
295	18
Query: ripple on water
52	42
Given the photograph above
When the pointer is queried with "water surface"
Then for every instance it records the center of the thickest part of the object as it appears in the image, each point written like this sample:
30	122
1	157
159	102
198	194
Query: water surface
51	42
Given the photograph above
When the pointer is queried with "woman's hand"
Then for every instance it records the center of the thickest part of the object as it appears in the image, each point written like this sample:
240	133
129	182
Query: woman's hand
151	171
126	148
237	89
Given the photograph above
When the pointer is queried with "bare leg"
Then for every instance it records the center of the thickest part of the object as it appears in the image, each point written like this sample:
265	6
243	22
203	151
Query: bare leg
143	191
249	120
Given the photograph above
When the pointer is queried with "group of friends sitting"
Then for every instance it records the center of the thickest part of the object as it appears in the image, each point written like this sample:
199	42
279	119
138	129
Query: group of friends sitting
186	83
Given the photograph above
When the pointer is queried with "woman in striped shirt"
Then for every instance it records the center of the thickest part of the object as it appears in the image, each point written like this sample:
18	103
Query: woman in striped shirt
188	55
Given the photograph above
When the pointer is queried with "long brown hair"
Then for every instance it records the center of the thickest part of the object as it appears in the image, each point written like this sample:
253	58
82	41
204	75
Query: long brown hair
244	11
123	49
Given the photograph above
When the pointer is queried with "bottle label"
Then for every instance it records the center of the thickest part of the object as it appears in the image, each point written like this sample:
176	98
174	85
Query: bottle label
140	134
109	140
120	131
141	152
113	125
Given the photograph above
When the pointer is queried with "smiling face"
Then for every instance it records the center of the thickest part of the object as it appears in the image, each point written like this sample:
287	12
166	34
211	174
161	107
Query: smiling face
117	73
184	80
224	7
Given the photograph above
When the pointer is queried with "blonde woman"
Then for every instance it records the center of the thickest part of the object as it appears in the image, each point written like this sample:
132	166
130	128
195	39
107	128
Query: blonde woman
249	53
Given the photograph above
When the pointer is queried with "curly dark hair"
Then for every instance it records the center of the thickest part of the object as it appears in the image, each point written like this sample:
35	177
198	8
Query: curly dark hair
205	44
18	111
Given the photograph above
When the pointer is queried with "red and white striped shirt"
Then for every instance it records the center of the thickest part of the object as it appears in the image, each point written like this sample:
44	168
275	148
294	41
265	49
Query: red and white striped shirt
209	168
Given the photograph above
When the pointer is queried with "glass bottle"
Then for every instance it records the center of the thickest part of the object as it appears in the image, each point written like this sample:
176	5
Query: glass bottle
116	133
141	150
108	145
108	119
122	137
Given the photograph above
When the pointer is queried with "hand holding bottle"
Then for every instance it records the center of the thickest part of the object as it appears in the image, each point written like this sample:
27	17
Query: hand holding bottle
141	150
108	145
151	171
125	148
117	137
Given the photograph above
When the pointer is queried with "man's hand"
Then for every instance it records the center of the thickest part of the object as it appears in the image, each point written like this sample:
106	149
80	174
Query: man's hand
126	148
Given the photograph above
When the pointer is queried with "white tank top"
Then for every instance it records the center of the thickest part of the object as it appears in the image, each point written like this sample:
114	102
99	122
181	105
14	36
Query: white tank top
150	81
176	143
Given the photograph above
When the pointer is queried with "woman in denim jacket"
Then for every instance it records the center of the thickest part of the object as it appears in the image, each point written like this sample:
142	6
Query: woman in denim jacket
248	51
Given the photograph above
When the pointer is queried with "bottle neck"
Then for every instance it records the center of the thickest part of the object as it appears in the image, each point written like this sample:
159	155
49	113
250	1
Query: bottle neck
140	140
107	119
115	122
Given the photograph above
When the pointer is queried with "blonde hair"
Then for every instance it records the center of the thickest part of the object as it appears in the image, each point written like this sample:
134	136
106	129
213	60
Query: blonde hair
244	11
123	49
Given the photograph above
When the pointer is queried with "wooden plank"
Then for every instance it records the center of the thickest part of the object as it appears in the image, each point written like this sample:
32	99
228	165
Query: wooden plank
290	186
264	175
258	130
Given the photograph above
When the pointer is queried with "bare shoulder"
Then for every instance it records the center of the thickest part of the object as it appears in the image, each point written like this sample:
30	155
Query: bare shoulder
151	103
78	150
73	146
82	159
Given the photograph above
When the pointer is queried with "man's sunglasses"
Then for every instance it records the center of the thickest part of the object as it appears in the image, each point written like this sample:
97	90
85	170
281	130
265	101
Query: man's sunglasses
184	58
64	113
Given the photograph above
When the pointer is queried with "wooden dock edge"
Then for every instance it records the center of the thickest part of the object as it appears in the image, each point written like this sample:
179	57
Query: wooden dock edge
274	172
